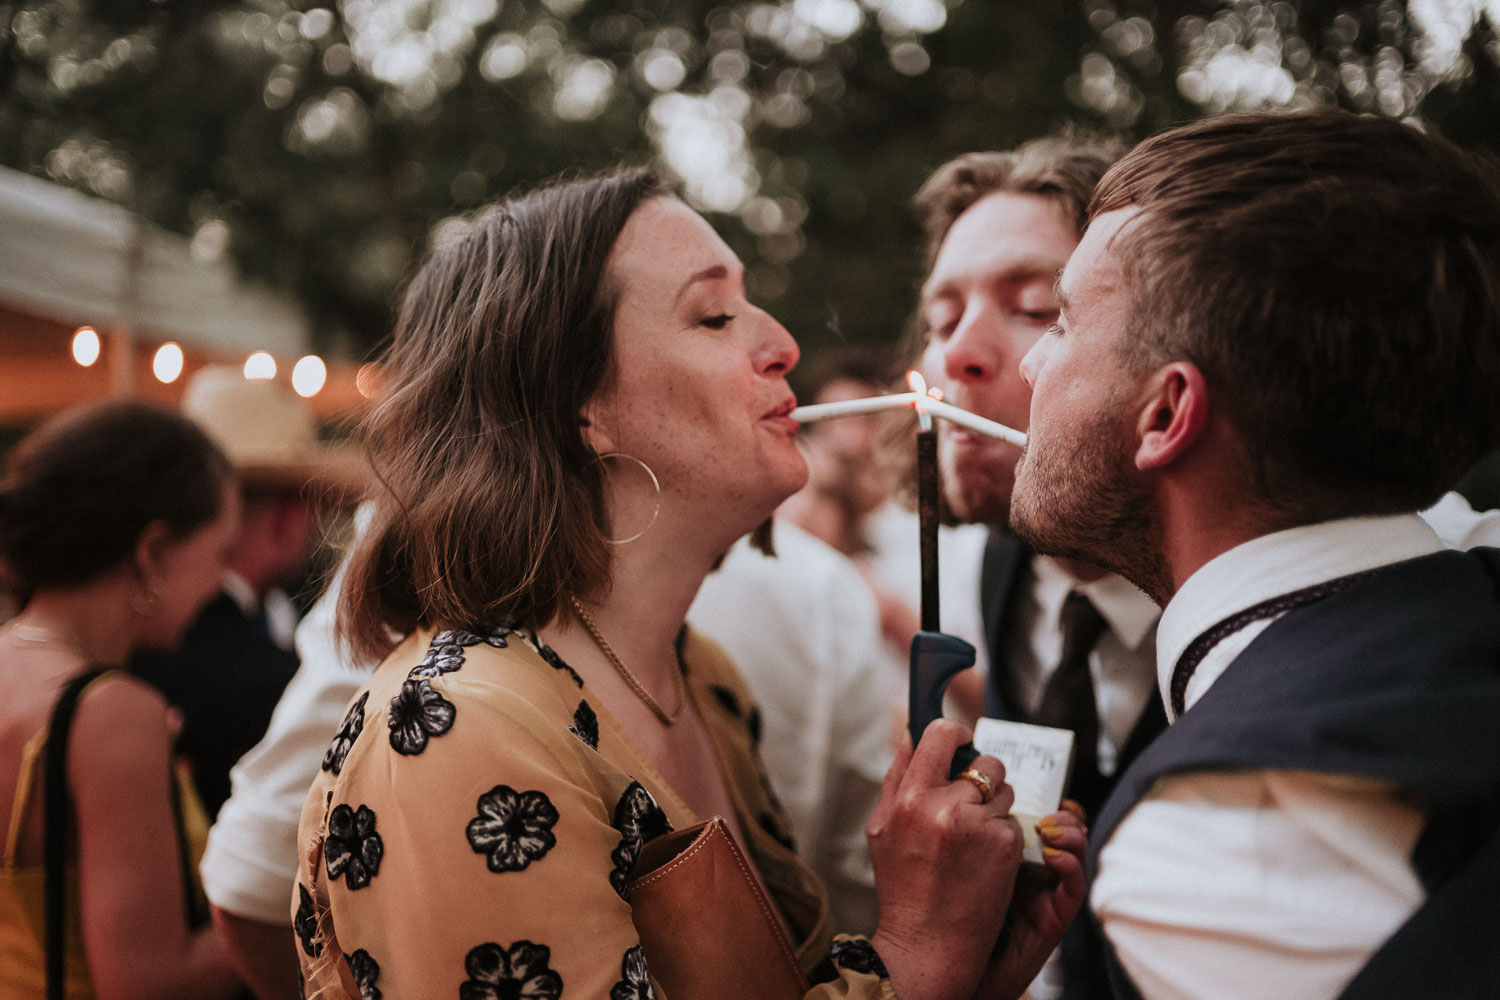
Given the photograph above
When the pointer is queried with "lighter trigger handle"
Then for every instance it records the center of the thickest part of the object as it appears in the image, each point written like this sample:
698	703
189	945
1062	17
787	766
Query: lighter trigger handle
935	658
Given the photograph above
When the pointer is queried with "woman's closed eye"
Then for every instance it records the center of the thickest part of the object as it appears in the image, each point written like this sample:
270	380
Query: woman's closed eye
718	322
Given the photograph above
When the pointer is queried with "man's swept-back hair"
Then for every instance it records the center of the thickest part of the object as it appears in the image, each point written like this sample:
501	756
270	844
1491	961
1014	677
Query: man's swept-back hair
1062	168
1336	278
489	506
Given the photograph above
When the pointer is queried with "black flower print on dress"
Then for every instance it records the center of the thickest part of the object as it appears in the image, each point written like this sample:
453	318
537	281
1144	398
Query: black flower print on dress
445	653
638	818
305	923
513	828
516	973
343	740
417	714
726	697
556	662
586	725
366	972
353	849
857	956
635	980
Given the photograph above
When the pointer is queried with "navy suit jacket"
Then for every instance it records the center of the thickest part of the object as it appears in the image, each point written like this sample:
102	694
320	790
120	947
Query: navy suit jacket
226	678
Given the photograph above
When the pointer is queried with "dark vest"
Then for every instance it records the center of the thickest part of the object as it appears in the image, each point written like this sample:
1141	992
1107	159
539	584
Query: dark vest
226	677
1004	574
1396	678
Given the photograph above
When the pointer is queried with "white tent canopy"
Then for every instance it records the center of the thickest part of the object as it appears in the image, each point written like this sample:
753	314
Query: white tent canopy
69	257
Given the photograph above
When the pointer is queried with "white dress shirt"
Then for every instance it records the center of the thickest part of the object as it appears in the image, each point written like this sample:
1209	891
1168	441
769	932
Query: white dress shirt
250	862
1265	884
1122	663
1122	666
896	560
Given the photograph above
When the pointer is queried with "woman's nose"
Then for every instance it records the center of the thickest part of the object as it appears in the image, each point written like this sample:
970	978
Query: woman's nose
777	353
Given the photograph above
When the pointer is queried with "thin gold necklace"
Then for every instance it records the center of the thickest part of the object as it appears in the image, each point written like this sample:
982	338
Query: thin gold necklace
678	689
41	635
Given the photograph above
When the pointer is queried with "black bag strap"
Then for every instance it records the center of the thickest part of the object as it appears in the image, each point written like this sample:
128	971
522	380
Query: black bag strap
57	822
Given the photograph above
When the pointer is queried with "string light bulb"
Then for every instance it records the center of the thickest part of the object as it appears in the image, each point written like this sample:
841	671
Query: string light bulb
167	364
86	346
260	367
369	379
308	376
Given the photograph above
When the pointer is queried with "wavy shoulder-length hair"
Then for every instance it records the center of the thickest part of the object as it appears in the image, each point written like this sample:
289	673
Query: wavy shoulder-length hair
489	504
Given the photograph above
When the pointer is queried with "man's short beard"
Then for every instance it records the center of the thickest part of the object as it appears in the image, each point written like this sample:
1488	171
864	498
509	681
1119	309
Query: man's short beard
980	493
968	504
1084	500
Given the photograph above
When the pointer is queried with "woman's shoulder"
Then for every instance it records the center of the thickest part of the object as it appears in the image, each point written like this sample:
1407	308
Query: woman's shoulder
121	702
497	689
121	727
504	664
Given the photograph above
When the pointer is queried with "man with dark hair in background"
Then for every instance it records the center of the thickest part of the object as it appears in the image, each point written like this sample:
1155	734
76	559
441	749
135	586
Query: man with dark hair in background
237	656
1069	644
1279	339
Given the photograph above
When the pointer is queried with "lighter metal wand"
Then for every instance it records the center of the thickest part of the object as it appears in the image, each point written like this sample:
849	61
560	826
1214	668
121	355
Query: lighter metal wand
935	656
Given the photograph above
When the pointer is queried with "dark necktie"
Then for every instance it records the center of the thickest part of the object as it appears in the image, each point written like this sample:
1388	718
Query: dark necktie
1188	662
1068	699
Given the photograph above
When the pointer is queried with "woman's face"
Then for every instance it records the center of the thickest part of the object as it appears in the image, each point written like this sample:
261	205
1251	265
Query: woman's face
191	570
698	390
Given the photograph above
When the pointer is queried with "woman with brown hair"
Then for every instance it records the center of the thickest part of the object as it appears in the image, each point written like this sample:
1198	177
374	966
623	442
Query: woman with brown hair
114	523
582	413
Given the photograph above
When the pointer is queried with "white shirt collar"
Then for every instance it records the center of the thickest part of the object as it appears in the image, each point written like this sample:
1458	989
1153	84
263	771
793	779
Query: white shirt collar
1277	564
1128	612
244	595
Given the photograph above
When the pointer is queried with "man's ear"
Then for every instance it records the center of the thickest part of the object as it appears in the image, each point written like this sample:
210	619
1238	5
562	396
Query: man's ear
1172	416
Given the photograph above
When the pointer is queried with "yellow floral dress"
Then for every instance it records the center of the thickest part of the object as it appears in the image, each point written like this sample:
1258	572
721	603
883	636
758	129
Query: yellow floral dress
477	816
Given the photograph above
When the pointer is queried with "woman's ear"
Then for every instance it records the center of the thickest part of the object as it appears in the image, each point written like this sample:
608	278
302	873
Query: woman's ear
594	422
149	557
149	564
1172	416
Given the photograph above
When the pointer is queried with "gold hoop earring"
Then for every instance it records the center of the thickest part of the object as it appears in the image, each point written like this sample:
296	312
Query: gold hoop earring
148	603
655	484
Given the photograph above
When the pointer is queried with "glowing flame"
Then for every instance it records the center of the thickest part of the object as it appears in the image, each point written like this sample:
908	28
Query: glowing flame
919	386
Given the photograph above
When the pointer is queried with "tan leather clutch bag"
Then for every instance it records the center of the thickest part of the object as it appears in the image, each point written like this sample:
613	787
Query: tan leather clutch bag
706	927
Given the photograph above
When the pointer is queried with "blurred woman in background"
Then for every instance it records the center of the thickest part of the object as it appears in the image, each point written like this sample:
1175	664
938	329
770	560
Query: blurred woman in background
114	523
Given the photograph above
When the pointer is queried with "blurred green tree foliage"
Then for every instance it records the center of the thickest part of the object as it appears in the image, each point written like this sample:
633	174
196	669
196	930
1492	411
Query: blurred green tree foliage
324	147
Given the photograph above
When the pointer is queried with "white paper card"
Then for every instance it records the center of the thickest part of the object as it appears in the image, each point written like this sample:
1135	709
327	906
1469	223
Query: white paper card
1036	762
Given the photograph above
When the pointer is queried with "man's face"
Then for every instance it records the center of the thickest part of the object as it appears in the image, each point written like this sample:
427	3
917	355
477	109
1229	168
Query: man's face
988	300
1078	492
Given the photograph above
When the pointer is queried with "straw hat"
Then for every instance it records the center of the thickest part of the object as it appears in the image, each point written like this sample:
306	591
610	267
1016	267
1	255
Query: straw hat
268	432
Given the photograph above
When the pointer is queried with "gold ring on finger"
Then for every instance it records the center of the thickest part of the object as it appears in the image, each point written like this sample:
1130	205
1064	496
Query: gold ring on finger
978	779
